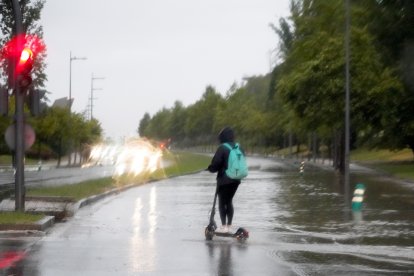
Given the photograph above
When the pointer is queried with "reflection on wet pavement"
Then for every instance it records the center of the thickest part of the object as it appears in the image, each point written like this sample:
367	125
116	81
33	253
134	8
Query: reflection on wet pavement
299	224
142	250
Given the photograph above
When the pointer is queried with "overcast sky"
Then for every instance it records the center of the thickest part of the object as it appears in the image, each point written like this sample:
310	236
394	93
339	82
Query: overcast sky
154	52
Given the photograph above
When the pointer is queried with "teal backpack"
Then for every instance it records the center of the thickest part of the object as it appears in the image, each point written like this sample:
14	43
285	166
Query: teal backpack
237	165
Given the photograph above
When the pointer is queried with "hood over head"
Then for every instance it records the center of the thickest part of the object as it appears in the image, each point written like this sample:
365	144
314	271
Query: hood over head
226	135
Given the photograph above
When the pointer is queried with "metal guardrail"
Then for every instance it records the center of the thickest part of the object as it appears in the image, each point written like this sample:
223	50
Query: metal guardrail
27	168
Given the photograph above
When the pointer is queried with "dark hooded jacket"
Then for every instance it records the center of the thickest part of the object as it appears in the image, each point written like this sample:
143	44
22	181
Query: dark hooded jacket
220	159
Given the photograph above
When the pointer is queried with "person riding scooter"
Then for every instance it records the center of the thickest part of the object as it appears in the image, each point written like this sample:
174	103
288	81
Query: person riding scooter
226	187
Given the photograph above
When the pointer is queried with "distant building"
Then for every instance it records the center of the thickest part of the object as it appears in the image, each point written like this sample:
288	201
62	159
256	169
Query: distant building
63	103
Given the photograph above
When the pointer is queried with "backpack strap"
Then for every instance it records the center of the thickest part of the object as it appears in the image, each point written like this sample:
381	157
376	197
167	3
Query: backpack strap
236	145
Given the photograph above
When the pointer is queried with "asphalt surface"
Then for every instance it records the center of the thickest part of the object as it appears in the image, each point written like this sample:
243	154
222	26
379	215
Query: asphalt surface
298	225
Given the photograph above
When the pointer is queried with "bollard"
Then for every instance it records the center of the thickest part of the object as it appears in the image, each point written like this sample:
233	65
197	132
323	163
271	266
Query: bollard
358	198
302	167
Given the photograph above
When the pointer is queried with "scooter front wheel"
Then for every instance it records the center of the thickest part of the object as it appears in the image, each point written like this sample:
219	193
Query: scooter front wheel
208	233
242	234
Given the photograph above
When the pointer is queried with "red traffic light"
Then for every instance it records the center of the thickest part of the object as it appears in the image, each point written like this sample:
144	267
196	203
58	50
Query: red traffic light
25	63
20	53
24	67
26	55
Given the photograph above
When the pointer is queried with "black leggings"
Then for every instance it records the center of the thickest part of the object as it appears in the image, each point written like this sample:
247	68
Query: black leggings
226	193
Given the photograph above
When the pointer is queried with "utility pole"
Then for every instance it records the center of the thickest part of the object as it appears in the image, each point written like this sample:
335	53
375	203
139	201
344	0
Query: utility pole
70	75
70	99
94	89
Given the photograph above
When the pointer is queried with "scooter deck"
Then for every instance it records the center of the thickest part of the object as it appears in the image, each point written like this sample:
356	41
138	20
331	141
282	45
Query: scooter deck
240	234
229	235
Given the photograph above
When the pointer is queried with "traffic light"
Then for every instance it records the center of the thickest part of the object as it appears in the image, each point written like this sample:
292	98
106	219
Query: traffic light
24	68
20	53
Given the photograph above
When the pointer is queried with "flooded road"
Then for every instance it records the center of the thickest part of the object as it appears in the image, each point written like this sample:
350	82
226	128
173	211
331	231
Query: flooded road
299	224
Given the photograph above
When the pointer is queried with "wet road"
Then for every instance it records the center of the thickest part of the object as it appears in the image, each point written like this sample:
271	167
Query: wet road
298	224
52	176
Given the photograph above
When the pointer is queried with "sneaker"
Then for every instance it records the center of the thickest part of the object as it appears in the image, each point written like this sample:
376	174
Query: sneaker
222	229
229	229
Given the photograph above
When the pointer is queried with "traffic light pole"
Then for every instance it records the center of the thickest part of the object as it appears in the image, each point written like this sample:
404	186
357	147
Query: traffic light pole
19	123
19	176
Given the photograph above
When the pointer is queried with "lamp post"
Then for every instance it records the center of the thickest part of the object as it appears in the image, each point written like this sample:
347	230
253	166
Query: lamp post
70	76
347	99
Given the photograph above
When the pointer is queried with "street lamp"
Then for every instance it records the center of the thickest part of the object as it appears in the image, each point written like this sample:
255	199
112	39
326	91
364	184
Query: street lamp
70	76
347	98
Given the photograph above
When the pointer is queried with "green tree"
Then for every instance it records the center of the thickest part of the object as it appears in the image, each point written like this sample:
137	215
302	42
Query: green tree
391	23
56	127
54	130
199	128
159	126
177	122
143	125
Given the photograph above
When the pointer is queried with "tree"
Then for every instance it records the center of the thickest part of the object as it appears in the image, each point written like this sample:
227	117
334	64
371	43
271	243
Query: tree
159	126
143	125
177	122
199	126
55	127
391	24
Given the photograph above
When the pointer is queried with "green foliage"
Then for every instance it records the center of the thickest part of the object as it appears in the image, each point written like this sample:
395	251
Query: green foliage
199	126
58	127
143	125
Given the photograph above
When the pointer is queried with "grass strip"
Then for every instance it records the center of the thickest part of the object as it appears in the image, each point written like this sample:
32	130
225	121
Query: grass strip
403	170
177	164
18	218
181	163
77	191
365	155
396	163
